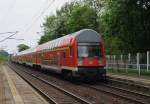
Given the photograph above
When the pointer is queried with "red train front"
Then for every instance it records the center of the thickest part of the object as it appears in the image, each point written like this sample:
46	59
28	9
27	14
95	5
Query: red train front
79	54
89	55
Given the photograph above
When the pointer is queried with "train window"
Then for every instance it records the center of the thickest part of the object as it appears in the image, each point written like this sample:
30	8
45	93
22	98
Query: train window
70	51
64	54
89	51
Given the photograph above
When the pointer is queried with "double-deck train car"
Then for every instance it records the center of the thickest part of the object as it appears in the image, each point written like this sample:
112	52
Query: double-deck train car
78	54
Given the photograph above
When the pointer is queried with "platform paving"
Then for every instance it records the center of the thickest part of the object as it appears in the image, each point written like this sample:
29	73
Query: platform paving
5	92
14	90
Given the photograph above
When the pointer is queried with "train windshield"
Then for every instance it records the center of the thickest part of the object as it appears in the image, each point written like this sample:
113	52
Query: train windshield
89	51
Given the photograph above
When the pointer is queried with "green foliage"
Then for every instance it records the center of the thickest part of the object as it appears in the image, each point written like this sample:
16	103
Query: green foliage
124	24
22	47
3	55
128	21
82	17
112	45
70	18
129	72
95	4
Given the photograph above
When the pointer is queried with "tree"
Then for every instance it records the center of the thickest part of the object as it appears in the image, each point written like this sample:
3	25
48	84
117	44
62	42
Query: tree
124	24
22	47
95	4
3	55
82	17
70	18
128	20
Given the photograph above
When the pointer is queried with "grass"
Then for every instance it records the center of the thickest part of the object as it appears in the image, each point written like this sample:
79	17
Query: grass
3	58
130	72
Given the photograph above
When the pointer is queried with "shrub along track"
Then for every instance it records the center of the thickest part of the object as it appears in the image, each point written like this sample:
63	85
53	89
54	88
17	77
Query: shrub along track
96	94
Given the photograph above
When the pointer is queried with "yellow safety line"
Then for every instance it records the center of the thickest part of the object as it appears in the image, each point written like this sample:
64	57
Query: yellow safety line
16	96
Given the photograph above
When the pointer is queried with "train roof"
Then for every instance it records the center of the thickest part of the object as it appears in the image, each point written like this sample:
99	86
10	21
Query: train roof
82	36
87	35
30	50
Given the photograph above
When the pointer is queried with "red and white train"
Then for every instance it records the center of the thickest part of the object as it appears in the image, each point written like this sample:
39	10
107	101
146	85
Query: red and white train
78	54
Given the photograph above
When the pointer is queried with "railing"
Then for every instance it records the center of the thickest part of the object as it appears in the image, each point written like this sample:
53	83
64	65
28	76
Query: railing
139	62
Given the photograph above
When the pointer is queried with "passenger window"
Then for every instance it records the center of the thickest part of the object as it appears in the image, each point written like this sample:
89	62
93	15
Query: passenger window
70	51
64	54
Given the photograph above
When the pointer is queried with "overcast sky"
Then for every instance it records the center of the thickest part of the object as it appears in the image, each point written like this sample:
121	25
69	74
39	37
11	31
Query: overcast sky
25	16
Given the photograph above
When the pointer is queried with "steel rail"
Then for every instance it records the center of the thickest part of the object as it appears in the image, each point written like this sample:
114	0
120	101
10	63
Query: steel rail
116	94
76	97
48	98
129	91
128	83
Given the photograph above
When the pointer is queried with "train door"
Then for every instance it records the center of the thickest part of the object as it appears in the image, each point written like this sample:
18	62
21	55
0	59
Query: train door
64	57
58	59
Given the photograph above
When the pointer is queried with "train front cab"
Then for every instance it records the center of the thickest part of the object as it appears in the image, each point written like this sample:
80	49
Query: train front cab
90	55
91	61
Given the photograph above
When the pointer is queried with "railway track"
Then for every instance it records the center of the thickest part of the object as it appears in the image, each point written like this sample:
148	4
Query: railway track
130	85
74	99
132	96
121	93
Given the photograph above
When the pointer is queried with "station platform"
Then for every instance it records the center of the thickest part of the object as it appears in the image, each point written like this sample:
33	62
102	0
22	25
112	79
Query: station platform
134	79
14	90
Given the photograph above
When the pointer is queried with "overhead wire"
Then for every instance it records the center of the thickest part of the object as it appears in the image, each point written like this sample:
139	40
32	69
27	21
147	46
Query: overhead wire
10	8
37	16
15	38
6	33
9	36
40	11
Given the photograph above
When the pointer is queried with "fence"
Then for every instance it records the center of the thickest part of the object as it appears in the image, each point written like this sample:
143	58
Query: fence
139	62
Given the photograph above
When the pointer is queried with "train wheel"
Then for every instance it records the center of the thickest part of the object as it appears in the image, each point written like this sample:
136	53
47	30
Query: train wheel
67	75
70	76
103	79
64	74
